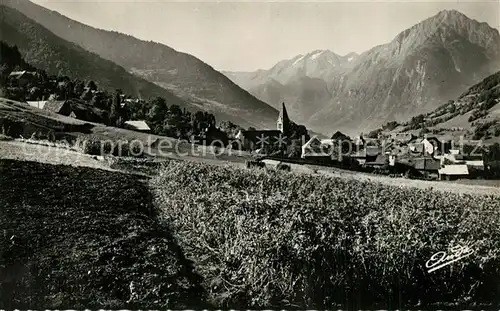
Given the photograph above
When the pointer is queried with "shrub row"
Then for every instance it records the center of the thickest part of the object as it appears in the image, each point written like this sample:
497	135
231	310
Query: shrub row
275	239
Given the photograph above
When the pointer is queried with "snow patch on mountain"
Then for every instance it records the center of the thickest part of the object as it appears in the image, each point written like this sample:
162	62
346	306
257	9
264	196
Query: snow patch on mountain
298	60
316	55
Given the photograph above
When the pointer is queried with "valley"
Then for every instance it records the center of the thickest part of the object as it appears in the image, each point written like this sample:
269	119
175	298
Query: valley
136	176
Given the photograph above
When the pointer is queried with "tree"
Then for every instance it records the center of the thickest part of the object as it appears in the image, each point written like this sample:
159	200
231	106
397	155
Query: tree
92	86
100	100
158	110
374	133
230	128
115	112
79	87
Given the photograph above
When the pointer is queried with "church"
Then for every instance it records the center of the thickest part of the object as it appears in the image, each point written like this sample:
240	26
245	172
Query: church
260	139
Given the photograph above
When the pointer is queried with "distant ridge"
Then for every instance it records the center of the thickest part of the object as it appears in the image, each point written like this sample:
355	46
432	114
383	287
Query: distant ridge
422	67
184	75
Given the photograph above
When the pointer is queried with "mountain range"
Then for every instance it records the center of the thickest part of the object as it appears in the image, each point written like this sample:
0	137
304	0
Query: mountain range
180	78
420	69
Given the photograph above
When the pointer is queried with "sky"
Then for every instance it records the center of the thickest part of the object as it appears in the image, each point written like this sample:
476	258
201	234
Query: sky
251	35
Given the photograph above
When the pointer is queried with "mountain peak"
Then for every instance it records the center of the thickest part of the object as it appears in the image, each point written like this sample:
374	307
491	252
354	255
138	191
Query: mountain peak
450	13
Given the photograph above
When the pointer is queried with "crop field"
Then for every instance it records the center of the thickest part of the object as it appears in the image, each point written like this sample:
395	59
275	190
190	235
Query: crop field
86	238
277	239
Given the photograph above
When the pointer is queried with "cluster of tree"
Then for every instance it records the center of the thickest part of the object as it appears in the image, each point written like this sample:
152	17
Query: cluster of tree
171	120
38	85
163	119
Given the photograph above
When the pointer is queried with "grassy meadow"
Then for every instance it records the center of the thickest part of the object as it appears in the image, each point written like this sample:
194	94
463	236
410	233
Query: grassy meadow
183	234
276	239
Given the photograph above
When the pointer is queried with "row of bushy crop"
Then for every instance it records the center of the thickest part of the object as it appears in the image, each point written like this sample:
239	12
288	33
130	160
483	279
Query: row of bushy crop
277	239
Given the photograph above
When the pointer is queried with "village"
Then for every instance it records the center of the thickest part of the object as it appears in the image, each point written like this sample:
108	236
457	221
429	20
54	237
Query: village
431	157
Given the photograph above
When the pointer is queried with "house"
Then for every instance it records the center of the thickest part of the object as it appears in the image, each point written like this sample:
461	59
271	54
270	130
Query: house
316	149
430	145
359	141
62	107
37	104
139	125
368	154
213	134
21	78
441	145
453	171
339	136
382	160
57	106
427	166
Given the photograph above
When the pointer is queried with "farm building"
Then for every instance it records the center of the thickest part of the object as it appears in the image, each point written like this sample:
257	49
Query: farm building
339	136
139	125
369	154
57	106
316	149
453	171
427	166
21	78
37	104
381	161
430	146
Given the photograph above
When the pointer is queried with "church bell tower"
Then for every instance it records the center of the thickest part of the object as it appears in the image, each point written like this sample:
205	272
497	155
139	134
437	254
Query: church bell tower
283	123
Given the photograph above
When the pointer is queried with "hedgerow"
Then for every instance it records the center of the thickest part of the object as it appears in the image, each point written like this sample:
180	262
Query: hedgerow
278	239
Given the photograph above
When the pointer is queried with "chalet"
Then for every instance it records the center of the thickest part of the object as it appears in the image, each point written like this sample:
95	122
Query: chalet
339	136
359	141
316	149
57	106
368	154
21	78
453	171
213	134
381	161
37	104
427	166
139	125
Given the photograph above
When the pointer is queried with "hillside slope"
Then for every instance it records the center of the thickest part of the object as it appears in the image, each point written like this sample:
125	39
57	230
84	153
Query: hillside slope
423	66
183	74
475	113
44	50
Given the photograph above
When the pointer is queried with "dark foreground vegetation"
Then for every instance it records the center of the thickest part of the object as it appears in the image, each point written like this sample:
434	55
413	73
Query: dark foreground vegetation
279	239
79	237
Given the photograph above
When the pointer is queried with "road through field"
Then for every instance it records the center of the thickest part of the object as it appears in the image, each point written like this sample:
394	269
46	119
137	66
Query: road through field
453	187
17	150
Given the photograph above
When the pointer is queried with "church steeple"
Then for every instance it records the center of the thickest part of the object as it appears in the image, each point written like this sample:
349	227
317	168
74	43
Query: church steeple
283	122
